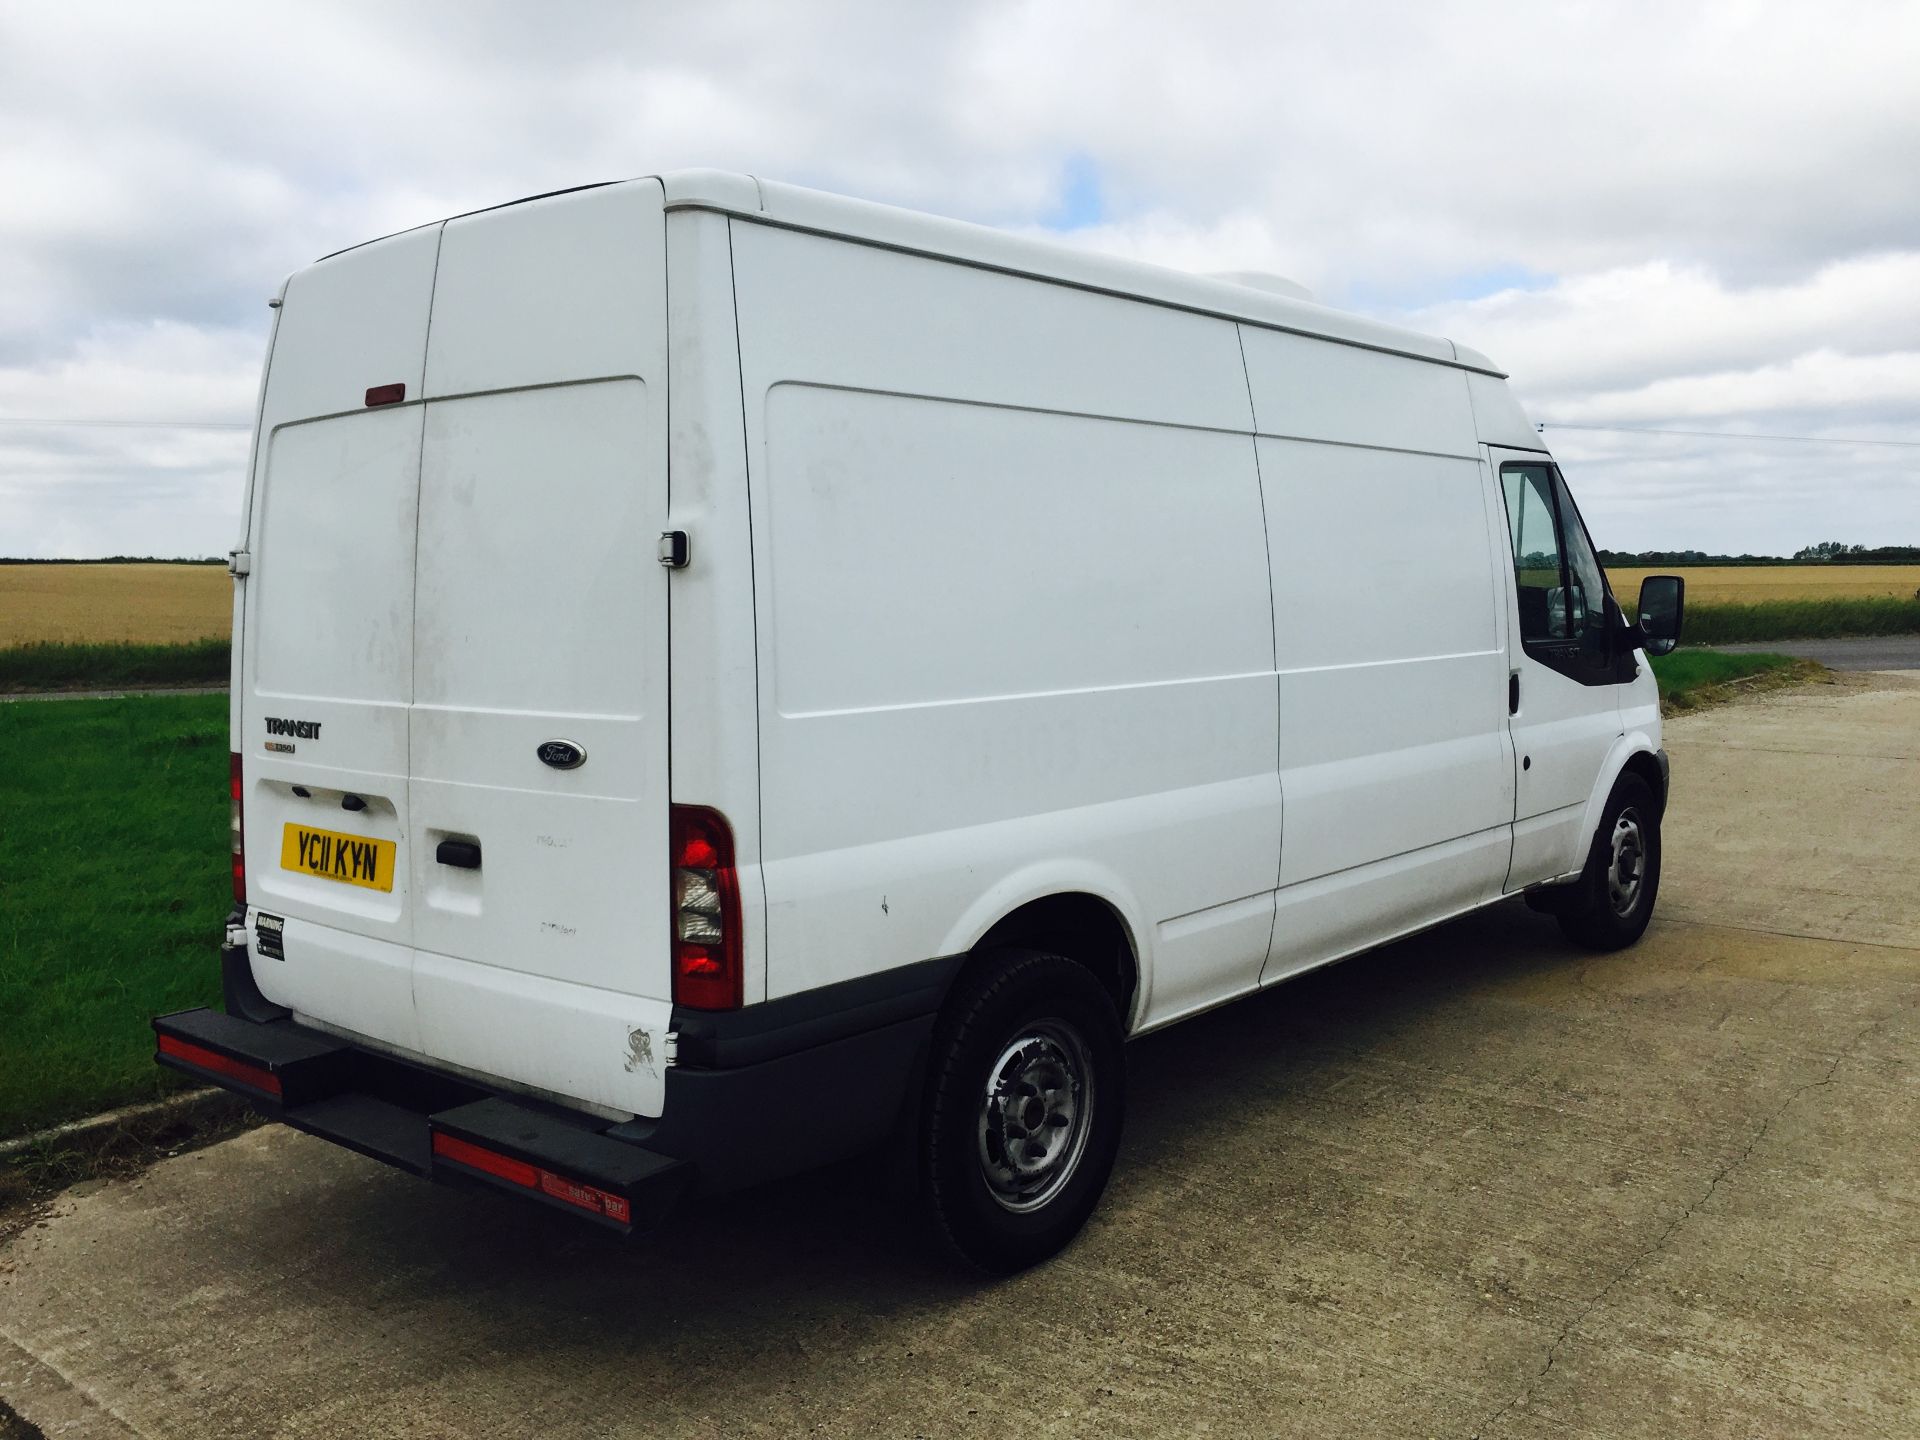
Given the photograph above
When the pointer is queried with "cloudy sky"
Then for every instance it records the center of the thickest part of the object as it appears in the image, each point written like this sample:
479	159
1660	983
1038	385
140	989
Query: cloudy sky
1697	217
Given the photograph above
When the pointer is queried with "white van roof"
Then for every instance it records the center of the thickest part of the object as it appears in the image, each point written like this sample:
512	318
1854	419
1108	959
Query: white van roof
795	207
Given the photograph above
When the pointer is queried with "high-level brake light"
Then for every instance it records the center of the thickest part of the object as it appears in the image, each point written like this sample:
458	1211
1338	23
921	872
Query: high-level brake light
706	911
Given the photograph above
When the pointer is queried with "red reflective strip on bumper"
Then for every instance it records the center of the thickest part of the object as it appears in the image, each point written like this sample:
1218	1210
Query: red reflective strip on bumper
518	1172
201	1058
514	1172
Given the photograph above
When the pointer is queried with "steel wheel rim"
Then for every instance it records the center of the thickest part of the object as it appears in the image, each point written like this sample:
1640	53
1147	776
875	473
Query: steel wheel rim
1627	863
1036	1112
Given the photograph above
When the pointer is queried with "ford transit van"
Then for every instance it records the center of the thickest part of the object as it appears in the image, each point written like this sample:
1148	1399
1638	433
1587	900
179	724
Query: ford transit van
728	678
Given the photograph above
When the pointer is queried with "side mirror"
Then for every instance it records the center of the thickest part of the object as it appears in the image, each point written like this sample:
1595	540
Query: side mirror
1663	604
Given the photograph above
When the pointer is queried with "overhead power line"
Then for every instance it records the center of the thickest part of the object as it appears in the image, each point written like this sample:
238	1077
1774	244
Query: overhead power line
55	422
1729	435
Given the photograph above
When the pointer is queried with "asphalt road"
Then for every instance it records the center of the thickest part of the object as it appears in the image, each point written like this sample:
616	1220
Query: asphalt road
1474	1184
1874	652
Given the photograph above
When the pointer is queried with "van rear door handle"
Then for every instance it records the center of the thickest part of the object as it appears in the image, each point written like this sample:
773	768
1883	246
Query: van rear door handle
463	853
1513	692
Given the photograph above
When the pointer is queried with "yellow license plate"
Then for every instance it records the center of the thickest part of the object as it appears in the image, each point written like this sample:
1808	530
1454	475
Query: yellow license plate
352	859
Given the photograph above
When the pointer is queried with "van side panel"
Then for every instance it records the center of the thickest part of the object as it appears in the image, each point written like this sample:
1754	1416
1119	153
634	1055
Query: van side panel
1393	682
1394	755
1014	615
1306	388
1497	416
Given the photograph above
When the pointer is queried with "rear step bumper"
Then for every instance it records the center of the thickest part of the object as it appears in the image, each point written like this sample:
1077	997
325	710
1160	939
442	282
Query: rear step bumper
758	1093
424	1121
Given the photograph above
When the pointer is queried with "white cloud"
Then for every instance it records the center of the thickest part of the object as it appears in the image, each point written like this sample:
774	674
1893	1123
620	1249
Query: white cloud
1607	327
1821	383
1834	354
1717	199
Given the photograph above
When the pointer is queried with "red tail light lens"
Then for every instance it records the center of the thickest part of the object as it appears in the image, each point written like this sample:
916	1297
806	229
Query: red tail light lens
234	825
706	911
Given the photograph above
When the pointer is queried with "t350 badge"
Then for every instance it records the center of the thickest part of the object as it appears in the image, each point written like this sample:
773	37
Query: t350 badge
561	754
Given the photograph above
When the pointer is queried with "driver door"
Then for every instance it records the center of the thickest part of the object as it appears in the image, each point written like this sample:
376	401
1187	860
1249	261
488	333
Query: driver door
1565	658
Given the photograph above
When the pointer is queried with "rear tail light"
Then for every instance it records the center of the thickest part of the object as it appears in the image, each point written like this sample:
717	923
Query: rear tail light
577	1193
236	838
214	1063
706	911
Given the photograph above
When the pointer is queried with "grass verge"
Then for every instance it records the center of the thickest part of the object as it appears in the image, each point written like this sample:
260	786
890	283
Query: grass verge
1690	679
38	1171
50	665
113	886
1802	619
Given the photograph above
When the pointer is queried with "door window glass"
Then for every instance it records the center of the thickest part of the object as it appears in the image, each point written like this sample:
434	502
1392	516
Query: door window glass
1538	572
1587	597
1559	587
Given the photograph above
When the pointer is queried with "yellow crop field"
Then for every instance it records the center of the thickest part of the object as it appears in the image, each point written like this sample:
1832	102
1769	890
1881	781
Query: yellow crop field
161	604
150	604
1726	584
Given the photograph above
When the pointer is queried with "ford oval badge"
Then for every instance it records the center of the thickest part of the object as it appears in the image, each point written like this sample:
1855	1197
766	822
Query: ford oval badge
561	754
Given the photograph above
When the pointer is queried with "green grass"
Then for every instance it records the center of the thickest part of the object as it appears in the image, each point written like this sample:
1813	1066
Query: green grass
1690	677
1803	619
113	886
48	665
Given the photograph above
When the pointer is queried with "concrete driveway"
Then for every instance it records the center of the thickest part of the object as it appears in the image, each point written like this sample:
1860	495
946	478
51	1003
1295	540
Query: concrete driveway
1476	1184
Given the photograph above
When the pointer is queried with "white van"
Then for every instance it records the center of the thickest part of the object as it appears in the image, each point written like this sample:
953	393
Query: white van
727	677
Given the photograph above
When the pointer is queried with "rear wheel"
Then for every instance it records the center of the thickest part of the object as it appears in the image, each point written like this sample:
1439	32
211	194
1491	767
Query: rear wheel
1610	905
1025	1091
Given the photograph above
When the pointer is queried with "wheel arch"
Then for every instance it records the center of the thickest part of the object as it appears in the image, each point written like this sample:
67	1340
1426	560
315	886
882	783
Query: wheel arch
1633	753
1088	919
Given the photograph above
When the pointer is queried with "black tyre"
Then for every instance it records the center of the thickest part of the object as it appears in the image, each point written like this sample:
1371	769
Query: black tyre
1026	1087
1609	906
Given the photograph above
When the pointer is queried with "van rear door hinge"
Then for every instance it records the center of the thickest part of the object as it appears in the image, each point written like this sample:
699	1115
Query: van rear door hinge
675	550
239	563
670	1048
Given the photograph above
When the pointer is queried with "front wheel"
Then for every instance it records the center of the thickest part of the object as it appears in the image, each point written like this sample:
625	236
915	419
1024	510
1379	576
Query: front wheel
1612	901
1026	1087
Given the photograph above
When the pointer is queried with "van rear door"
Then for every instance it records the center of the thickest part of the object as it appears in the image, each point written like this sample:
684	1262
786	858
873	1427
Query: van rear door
538	755
459	593
327	657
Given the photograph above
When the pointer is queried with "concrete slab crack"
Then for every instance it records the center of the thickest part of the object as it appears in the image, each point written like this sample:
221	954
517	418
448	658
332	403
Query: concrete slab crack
1560	1340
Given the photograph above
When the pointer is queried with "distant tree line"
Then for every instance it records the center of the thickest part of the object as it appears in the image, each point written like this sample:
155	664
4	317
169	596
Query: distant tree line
1833	552
1828	552
119	560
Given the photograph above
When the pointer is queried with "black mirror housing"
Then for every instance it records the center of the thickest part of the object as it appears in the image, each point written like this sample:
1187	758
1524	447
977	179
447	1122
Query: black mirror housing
1663	605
